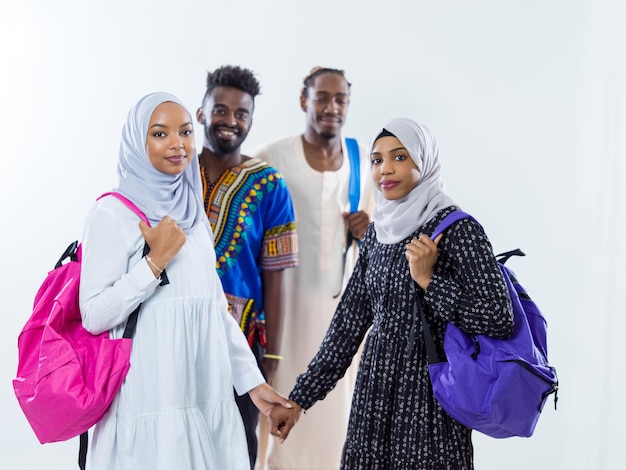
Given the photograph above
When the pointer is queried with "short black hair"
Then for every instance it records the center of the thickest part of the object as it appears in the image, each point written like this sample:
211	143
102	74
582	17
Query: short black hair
233	76
316	72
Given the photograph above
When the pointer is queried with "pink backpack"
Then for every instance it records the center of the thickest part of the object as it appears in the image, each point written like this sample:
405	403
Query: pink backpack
67	377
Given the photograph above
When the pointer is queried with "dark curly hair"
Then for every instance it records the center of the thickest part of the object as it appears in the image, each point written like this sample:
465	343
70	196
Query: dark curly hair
316	72
233	76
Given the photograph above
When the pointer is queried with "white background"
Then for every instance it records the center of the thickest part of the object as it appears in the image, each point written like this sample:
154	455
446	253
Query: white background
526	99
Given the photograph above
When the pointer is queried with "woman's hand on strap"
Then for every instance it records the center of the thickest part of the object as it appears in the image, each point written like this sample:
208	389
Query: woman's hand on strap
165	241
421	253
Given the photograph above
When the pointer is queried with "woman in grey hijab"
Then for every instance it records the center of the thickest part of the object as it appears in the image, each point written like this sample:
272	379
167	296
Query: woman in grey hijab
176	408
395	421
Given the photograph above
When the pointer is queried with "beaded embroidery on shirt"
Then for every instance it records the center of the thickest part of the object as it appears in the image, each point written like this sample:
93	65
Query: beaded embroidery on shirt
241	189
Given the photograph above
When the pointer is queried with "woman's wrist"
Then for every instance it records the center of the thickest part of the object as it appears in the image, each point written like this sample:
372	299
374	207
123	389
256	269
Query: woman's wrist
156	270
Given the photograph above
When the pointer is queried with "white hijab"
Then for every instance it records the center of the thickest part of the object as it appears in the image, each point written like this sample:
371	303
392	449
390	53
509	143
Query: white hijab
396	220
157	194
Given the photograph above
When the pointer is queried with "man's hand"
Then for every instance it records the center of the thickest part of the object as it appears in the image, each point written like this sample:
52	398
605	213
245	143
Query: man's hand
357	223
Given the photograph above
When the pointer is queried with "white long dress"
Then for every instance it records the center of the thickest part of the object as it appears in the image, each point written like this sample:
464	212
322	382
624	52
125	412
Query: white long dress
176	408
311	299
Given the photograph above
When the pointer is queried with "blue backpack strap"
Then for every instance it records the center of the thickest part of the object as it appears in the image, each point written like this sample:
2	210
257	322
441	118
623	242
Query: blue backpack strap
354	194
354	189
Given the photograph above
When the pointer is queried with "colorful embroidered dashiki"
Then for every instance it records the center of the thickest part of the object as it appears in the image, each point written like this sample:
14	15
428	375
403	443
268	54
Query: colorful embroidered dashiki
253	224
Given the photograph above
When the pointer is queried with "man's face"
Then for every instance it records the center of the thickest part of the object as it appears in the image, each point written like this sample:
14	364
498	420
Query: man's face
326	105
227	118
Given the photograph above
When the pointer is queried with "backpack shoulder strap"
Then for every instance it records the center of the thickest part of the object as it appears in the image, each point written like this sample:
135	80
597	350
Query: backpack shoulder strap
128	203
131	323
450	219
418	311
354	189
146	249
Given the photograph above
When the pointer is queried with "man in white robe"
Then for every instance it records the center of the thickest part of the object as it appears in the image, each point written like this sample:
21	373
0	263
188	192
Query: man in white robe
316	167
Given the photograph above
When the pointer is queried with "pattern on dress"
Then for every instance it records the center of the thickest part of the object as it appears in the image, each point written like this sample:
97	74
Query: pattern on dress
395	421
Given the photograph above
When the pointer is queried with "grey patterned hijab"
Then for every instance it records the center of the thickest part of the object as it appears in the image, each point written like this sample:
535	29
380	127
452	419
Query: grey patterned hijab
156	193
396	220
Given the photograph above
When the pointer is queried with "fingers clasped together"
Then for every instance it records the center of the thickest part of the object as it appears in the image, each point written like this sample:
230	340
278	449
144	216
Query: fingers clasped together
282	413
281	420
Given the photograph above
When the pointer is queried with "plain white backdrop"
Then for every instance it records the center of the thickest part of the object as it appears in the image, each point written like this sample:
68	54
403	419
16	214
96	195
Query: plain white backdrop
527	100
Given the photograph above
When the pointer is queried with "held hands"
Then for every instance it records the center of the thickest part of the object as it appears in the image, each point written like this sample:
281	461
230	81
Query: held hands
266	399
282	420
421	253
165	241
281	412
357	223
271	403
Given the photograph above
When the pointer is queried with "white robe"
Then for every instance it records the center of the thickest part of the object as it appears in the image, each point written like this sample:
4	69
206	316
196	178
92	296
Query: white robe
311	290
176	408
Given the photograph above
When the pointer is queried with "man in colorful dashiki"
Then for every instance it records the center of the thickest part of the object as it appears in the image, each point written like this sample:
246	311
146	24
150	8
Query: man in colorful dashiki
253	222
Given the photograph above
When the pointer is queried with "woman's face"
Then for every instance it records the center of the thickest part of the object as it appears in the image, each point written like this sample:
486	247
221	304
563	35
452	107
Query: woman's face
170	142
394	171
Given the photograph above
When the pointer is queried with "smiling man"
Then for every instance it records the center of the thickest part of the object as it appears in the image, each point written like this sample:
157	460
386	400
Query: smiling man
317	168
252	218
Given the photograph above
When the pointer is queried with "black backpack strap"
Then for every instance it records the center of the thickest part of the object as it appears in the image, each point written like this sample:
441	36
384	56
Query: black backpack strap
418	311
70	252
504	257
82	450
131	323
418	308
164	279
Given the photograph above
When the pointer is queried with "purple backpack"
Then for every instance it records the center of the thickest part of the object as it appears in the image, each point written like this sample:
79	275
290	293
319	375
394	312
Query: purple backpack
495	386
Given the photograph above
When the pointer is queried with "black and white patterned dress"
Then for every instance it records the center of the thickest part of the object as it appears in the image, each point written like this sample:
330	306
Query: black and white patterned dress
395	422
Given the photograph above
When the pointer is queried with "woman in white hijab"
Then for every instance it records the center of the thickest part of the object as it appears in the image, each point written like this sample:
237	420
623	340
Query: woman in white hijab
395	420
176	408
